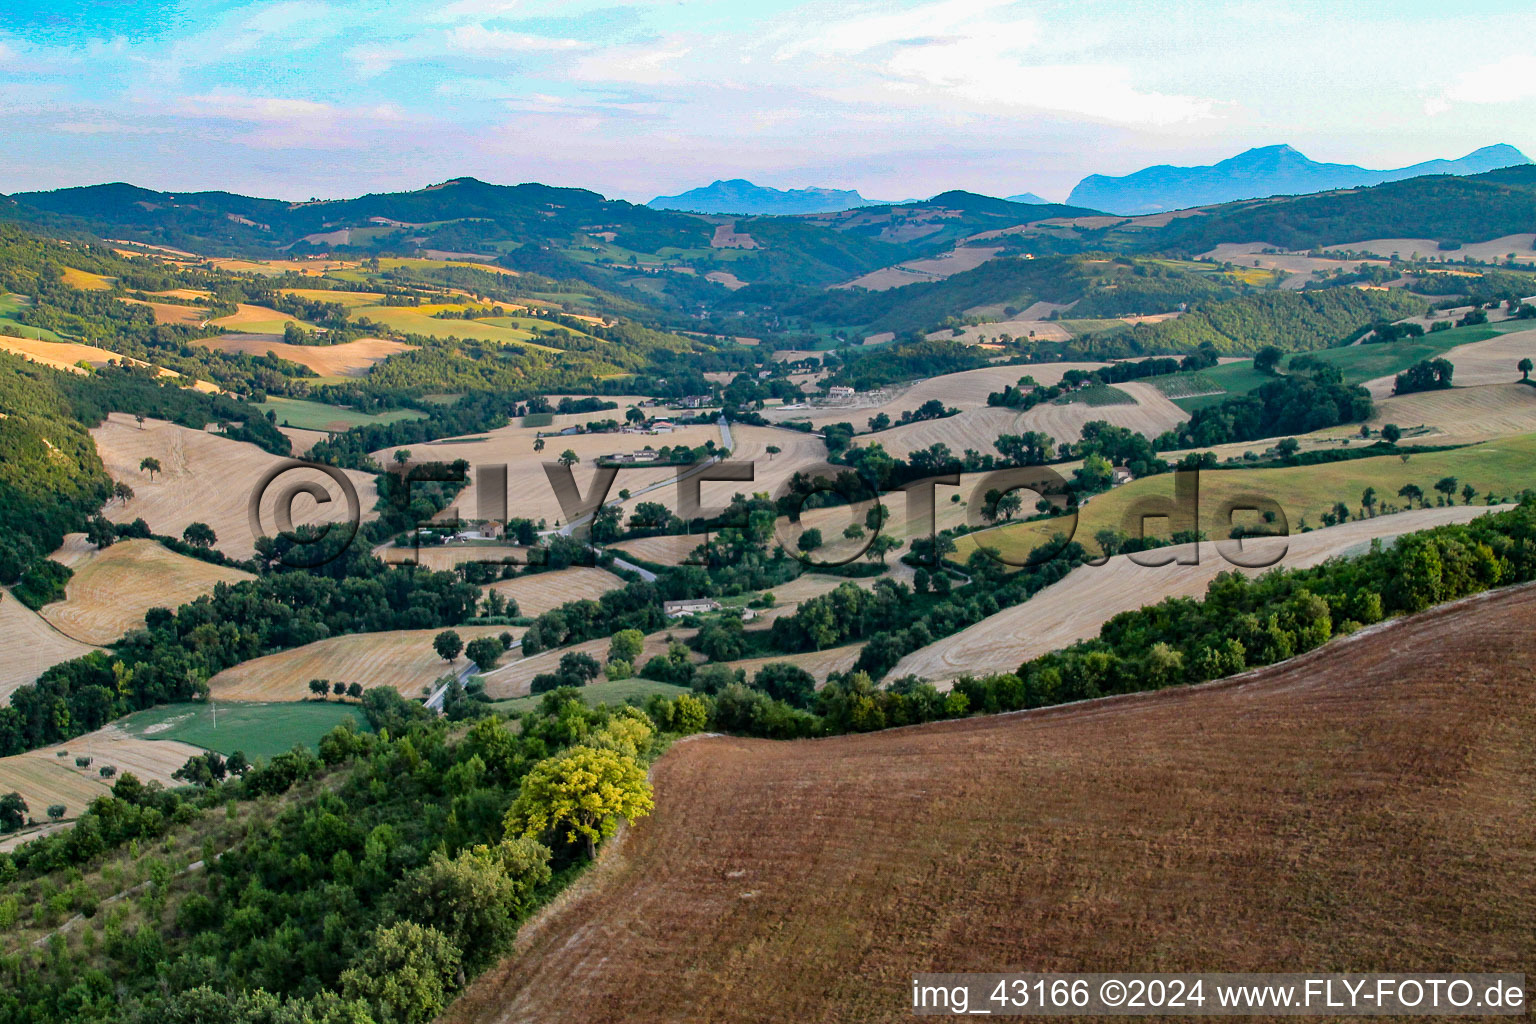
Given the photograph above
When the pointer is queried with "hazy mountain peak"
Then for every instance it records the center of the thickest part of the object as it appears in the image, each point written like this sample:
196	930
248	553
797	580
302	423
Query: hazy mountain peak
737	195
1259	172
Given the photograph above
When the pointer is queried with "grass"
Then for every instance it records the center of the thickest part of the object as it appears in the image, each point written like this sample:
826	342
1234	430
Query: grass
307	415
1187	385
411	320
257	729
1099	394
538	419
1079	327
1303	493
605	692
10	305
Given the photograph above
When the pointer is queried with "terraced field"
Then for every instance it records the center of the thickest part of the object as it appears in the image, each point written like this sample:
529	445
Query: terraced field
113	588
403	659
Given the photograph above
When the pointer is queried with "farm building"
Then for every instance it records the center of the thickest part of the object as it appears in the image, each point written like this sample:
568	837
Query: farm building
692	606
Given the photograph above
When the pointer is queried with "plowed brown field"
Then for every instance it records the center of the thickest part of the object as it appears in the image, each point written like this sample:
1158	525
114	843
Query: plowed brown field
1339	809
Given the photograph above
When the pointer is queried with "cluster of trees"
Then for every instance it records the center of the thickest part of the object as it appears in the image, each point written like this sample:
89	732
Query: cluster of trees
399	866
1312	396
1425	375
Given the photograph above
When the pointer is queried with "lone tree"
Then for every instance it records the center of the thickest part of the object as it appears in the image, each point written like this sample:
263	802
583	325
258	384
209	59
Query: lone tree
1412	492
1525	366
122	492
318	687
13	812
1467	494
484	652
1446	485
140	418
199	535
568	458
538	444
579	795
151	465
56	811
1368	501
402	456
447	645
881	546
339	689
1268	360
1391	433
355	691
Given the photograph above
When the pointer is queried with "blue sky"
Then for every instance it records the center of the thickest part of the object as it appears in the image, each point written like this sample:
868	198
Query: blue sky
300	98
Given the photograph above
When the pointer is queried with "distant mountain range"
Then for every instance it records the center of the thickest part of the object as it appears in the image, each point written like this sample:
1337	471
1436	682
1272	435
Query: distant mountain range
1030	198
1256	174
741	196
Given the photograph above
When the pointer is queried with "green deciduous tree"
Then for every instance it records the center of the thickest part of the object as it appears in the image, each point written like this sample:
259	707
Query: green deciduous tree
406	974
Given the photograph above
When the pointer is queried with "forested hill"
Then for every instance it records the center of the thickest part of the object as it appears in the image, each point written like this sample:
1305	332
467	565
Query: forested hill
1446	208
1290	321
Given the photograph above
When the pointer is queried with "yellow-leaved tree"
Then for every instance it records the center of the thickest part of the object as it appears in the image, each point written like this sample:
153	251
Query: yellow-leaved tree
579	795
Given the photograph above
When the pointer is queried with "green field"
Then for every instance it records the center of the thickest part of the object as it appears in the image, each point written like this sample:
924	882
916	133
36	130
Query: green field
411	321
1506	466
10	305
538	419
1080	327
307	415
601	693
1098	394
258	730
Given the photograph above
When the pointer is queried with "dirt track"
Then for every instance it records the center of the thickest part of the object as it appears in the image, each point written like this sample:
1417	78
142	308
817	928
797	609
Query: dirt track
1370	805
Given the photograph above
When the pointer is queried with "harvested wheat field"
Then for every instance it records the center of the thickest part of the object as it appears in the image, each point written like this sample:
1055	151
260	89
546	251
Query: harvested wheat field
303	440
512	679
528	488
669	549
66	355
30	644
210	479
1492	361
1428	248
1294	816
1017	328
50	776
174	313
351	359
542	591
966	390
936	268
258	320
818	663
445	556
1078	606
113	588
401	658
1462	414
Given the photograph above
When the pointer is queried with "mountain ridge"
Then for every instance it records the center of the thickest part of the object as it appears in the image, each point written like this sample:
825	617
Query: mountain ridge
740	196
1259	173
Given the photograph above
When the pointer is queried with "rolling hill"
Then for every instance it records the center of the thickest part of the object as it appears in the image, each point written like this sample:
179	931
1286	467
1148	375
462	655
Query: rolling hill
1257	173
1295	815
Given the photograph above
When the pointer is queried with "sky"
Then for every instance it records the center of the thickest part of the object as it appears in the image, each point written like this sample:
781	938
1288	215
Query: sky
297	99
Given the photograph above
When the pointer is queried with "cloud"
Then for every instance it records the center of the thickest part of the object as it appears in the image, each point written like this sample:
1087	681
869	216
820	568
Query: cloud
479	39
1504	81
636	65
473	10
